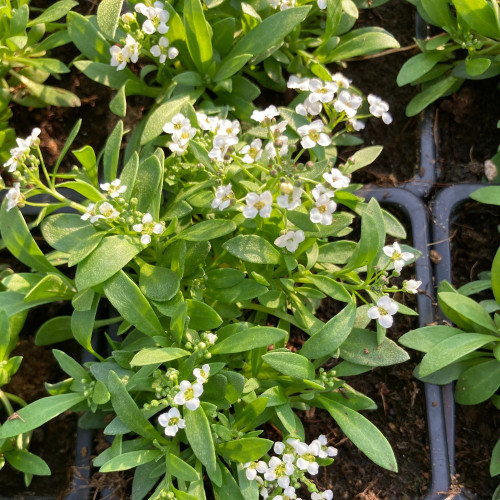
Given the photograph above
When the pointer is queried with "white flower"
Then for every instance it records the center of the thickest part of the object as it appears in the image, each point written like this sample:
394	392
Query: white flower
132	49
411	286
322	4
336	179
14	197
290	196
319	449
189	395
212	338
325	495
307	462
128	17
90	212
383	311
223	197
357	125
221	145
294	82
252	152
308	108
321	190
172	422
280	471
253	467
347	102
19	153
203	121
147	228
313	134
179	121
157	18
322	212
379	108
282	4
107	210
114	188
290	240
282	143
182	136
258	204
229	128
322	91
299	447
278	128
32	139
288	494
117	58
279	447
268	114
159	50
202	373
341	80
397	256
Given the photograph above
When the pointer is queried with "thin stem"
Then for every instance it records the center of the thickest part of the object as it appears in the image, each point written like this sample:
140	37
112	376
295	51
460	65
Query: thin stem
21	402
273	312
5	401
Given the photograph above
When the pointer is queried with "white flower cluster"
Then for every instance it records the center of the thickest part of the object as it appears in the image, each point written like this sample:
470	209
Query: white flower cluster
187	396
154	24
181	131
120	56
19	153
345	101
280	474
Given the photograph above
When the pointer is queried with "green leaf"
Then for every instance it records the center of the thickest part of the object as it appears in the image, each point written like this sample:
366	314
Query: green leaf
480	16
85	247
424	339
51	286
332	288
331	336
208	230
198	36
291	364
202	316
361	42
17	238
64	231
129	301
87	38
495	276
69	365
362	158
244	449
249	338
199	437
269	33
157	355
430	94
110	256
127	411
361	348
478	383
158	283
26	462
416	67
362	433
477	66
466	313
37	413
19	20
180	469
489	195
130	460
147	182
54	12
224	277
451	349
108	15
228	488
495	461
84	188
439	13
112	153
251	412
53	96
253	248
83	318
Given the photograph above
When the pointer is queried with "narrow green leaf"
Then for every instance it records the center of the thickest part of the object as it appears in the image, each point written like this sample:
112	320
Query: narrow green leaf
291	364
430	94
253	248
108	15
157	355
208	230
130	460
480	16
180	469
245	449
158	283
249	338
478	383
331	336
127	411
87	38
362	433
54	12
200	437
37	413
112	153
129	301
110	256
198	37
26	462
64	231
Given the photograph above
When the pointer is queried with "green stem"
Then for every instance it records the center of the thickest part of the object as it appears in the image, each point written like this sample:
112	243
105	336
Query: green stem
16	399
5	401
274	312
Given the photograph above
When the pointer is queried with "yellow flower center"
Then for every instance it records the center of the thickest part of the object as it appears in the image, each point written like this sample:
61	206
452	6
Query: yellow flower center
189	394
259	205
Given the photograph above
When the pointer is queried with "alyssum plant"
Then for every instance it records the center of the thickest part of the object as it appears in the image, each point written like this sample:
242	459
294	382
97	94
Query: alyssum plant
214	259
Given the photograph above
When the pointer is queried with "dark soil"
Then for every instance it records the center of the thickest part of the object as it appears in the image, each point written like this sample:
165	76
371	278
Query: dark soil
475	241
467	128
55	440
398	161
